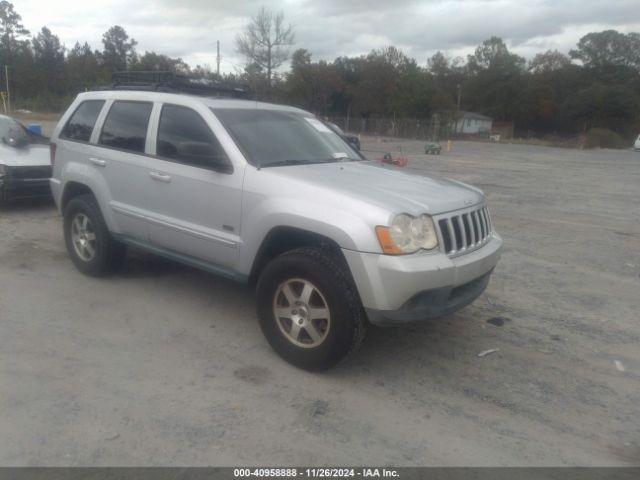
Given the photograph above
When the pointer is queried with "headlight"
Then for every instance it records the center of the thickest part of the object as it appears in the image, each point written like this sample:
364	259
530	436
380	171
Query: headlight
407	234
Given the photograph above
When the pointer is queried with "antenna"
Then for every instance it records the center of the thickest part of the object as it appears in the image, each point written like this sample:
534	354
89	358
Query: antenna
218	58
6	76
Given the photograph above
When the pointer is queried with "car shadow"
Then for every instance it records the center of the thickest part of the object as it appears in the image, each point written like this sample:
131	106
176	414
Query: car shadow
141	264
423	343
413	348
447	344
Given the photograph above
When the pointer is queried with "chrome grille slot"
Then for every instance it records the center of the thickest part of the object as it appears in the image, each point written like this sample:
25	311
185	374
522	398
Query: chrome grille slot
483	228
446	233
455	221
485	225
467	229
476	230
486	212
464	231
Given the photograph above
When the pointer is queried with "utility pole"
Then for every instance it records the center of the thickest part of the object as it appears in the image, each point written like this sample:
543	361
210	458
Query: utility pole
218	58
459	87
6	77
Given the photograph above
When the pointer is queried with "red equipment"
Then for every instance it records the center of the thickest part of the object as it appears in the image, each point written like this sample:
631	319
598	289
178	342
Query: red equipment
399	161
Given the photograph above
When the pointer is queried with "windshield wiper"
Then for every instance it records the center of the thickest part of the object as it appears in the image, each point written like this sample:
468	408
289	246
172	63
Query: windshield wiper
290	161
342	158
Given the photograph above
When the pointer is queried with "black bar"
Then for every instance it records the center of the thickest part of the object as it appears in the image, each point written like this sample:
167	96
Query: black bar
399	473
163	81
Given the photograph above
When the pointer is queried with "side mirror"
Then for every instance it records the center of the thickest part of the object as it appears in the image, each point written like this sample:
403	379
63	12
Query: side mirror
15	142
204	154
196	149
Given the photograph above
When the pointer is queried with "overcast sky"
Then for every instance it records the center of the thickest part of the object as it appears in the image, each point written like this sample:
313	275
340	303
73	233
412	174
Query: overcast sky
331	28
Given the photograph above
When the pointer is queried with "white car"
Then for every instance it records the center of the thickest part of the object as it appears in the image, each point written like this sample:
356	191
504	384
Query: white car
25	165
636	145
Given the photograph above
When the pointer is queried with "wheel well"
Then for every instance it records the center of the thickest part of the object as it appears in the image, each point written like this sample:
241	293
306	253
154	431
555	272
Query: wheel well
73	189
283	239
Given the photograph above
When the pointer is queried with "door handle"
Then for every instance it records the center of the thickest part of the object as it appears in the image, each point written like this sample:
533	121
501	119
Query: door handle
98	162
160	177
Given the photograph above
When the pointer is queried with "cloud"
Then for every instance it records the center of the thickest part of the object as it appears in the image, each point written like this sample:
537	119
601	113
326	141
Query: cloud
332	28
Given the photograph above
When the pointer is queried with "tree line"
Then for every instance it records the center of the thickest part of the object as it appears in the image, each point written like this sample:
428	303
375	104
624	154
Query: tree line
595	85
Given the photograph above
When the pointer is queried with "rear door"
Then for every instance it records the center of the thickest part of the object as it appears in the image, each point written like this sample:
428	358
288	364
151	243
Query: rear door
119	157
196	189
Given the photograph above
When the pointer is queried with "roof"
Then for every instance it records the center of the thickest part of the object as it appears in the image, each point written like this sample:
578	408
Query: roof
185	99
474	116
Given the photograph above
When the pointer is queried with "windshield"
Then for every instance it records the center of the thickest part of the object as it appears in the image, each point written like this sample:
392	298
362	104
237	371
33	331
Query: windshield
14	134
277	137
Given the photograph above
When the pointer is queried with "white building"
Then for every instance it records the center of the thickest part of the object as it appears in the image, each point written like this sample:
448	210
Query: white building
473	123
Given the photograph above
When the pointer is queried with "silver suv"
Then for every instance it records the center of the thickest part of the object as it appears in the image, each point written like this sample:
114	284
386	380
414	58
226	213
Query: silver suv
268	195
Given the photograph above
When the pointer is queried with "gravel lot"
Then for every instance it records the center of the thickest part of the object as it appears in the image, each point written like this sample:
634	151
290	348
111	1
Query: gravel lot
165	365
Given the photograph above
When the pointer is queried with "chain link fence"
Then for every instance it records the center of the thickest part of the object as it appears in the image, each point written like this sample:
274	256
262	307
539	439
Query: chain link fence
433	129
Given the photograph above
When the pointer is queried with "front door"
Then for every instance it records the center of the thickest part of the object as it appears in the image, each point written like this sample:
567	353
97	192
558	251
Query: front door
196	192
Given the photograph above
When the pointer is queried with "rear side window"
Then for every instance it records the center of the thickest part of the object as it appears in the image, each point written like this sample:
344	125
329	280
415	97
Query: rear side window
125	127
80	125
184	136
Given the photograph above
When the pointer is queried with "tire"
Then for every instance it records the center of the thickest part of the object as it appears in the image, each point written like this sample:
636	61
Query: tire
108	254
336	335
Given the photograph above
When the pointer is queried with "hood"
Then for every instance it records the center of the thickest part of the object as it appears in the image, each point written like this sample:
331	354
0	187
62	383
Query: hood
391	188
28	156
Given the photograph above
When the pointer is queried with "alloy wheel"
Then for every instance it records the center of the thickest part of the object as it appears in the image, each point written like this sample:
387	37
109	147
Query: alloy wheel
302	313
83	237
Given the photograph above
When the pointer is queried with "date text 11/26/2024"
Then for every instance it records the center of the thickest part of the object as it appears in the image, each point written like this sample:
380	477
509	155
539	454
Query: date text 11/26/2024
315	472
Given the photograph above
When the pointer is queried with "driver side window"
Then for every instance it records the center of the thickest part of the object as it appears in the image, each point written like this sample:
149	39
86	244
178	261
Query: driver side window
184	137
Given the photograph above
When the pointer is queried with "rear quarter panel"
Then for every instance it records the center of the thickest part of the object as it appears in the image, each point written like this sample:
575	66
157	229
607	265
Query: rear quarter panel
67	167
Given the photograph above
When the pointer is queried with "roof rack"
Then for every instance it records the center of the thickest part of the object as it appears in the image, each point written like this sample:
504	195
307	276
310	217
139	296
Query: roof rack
161	81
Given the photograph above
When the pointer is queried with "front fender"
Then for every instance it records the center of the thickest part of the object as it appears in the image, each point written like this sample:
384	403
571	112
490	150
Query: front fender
346	229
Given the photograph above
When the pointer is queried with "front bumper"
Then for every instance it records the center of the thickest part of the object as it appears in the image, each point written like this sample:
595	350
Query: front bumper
14	188
25	181
398	289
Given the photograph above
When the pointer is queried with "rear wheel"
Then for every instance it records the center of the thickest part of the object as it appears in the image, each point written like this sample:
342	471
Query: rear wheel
308	308
90	245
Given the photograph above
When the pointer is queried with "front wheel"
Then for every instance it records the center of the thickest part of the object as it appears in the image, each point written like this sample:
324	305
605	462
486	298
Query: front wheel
308	308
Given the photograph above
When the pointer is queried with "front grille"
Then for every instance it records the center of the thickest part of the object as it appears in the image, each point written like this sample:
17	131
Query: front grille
464	230
36	172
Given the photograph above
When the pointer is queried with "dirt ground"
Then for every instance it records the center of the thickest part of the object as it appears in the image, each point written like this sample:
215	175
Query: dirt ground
165	365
